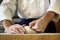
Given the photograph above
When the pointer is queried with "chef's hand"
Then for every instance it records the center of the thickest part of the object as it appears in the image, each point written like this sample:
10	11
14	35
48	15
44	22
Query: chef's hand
17	29
38	25
42	23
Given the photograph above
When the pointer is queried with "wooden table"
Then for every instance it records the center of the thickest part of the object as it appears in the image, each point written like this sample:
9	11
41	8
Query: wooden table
41	36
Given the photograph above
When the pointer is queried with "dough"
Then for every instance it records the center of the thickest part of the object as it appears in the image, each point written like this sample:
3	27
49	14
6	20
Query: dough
29	30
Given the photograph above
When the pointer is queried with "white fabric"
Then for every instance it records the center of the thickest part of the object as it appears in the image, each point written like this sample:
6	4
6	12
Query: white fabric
55	7
27	8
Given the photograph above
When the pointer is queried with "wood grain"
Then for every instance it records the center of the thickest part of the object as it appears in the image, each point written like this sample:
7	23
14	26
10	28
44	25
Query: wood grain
30	37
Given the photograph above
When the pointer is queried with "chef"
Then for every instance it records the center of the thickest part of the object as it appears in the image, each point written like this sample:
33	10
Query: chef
37	14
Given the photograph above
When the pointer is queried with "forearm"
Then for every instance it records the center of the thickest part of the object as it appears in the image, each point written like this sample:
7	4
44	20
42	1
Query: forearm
45	20
48	17
6	23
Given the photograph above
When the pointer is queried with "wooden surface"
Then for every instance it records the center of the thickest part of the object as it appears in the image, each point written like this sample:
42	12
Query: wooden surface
42	36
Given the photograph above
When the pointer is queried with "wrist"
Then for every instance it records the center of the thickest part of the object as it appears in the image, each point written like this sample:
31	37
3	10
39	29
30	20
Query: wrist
7	23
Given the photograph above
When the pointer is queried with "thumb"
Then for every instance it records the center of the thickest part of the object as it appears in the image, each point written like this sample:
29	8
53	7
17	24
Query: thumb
35	28
32	24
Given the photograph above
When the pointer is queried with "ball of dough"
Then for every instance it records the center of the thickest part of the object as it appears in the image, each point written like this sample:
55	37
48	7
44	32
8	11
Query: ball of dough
29	30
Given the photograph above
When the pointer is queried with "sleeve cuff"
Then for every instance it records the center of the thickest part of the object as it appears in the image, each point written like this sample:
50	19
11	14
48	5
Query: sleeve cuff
56	19
4	17
55	7
5	13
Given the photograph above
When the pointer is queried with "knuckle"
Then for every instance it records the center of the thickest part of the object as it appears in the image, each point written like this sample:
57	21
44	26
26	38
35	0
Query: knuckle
30	23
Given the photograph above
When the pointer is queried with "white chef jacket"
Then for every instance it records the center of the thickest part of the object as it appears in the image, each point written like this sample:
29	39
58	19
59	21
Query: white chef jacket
28	8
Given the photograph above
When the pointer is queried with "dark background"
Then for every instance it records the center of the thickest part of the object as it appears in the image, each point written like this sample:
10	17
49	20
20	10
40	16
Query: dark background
1	1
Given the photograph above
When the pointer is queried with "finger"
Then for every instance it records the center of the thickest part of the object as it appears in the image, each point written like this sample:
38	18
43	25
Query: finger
34	27
23	25
16	30
19	31
23	29
31	24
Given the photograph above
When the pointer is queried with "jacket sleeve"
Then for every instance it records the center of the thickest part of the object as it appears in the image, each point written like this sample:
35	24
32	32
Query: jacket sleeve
55	7
7	9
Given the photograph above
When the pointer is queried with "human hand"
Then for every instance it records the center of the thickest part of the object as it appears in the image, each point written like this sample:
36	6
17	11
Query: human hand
16	29
38	25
